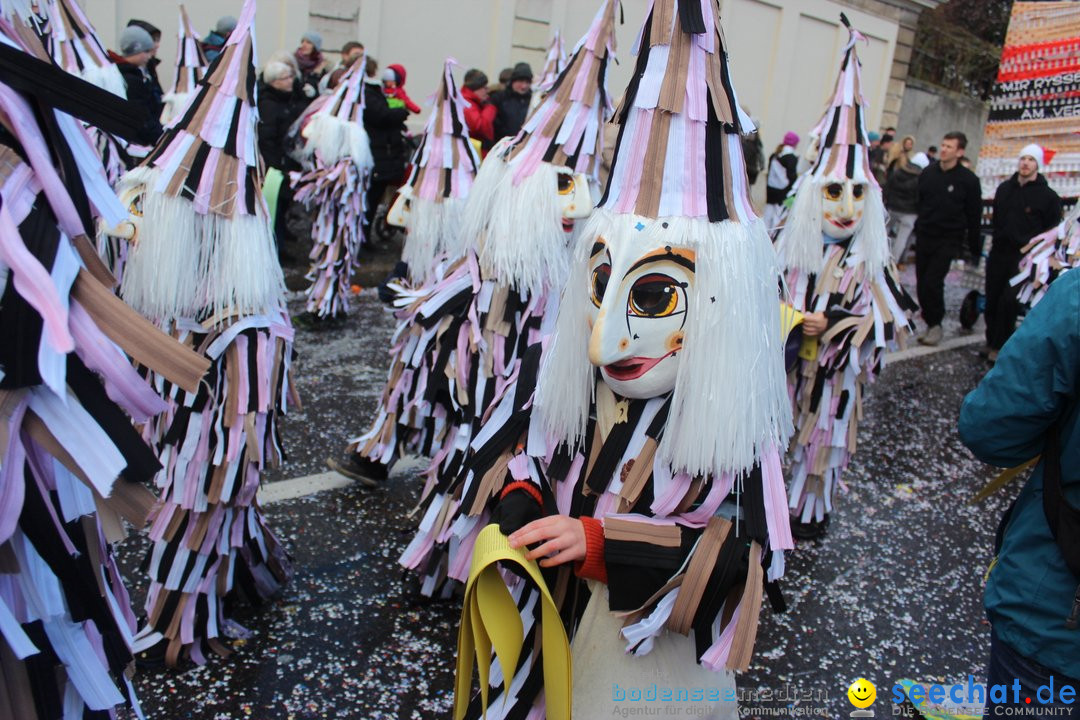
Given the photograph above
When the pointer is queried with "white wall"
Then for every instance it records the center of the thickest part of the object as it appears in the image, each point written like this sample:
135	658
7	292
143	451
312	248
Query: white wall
784	53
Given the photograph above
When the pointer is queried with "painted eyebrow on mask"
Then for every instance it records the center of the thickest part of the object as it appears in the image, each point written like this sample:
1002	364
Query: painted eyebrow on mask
669	256
598	247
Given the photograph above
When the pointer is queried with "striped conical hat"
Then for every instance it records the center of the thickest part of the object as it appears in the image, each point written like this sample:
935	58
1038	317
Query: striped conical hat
679	152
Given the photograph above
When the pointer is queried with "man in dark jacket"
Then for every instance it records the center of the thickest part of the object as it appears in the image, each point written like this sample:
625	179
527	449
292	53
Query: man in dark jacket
136	50
155	61
950	209
512	103
385	127
1024	206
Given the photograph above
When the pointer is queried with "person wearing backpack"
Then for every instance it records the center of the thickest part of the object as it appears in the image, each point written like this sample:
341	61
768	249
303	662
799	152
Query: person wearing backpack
1028	405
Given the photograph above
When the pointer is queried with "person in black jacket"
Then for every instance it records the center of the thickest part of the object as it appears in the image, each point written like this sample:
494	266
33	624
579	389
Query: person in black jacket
782	170
1024	206
154	61
136	50
512	102
902	201
385	127
950	209
280	104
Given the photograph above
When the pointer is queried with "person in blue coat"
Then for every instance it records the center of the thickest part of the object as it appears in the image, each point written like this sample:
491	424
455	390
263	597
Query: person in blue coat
1033	389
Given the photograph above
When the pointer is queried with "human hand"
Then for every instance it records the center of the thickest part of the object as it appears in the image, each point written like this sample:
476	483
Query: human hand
814	324
561	540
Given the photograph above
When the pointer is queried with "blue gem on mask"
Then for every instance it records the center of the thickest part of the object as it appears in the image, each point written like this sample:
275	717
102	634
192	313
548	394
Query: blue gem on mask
639	227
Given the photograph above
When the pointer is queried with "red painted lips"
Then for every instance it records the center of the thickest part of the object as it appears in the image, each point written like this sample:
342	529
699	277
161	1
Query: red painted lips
633	368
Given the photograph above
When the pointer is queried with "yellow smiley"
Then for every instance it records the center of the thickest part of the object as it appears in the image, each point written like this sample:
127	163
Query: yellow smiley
862	693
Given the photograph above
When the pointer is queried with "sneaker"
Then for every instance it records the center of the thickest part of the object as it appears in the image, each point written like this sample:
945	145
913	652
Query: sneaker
933	336
368	473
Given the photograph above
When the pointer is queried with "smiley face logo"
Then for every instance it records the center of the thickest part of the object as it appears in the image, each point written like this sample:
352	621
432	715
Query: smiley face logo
862	693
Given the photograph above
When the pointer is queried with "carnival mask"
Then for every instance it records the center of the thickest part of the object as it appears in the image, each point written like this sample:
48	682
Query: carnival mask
575	197
131	197
639	289
398	214
842	208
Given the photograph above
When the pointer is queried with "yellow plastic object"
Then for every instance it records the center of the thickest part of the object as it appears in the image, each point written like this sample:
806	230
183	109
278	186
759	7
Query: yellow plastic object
790	318
489	619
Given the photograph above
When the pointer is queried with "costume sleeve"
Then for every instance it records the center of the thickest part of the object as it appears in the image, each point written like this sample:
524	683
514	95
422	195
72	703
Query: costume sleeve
1004	420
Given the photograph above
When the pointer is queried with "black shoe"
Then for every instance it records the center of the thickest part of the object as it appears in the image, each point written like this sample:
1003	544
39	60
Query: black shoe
812	530
368	473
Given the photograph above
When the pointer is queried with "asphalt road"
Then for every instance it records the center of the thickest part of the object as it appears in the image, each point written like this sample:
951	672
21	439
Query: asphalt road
893	591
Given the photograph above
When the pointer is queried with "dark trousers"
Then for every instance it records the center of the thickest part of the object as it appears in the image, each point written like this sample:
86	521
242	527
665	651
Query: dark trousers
374	195
1008	667
1002	307
933	255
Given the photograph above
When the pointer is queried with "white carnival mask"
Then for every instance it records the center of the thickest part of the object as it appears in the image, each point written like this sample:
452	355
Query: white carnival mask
842	205
131	197
398	214
575	196
639	288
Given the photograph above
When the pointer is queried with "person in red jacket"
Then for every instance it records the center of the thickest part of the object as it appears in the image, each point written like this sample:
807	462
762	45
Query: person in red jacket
393	81
480	113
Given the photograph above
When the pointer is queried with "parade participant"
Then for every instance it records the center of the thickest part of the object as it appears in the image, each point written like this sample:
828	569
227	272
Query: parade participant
73	464
430	204
553	67
835	254
76	47
657	518
1048	256
337	148
500	297
191	65
1024	206
204	268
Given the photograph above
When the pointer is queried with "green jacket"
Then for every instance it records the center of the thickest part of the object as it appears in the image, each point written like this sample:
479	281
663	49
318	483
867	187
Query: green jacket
1035	383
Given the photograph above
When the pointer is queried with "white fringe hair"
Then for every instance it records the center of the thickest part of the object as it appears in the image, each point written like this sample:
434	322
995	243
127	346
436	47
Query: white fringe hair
434	229
186	264
730	400
174	105
335	139
517	229
801	245
106	77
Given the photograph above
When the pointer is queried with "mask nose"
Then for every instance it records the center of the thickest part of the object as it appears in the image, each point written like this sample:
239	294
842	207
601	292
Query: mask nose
608	342
847	203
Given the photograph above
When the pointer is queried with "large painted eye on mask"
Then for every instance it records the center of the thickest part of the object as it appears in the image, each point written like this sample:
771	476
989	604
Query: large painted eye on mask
599	282
655	296
575	198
